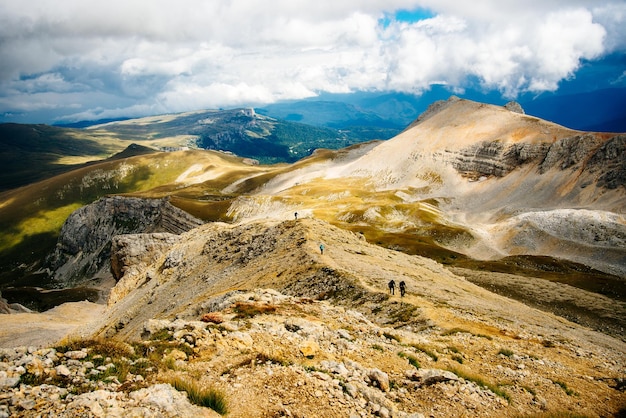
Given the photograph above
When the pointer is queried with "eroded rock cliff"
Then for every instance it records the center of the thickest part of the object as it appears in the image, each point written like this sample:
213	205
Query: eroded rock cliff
84	246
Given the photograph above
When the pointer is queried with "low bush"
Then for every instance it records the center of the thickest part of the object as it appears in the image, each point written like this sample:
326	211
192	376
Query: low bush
430	353
505	352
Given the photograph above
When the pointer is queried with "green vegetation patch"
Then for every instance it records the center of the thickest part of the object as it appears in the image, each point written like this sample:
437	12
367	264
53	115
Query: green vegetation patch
481	381
411	359
205	397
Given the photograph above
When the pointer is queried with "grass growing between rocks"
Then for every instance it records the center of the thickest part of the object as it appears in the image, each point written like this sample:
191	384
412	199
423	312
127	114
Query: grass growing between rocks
111	361
411	359
456	330
204	397
481	381
505	352
246	310
565	388
430	353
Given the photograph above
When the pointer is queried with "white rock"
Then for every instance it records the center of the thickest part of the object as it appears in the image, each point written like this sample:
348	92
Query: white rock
63	370
379	378
76	355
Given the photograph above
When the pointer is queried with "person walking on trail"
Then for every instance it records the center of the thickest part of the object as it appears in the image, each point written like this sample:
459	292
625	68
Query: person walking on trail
322	249
392	287
402	288
296	215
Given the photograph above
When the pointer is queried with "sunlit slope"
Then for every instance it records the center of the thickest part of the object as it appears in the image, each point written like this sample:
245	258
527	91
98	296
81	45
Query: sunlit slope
31	216
466	183
35	152
468	180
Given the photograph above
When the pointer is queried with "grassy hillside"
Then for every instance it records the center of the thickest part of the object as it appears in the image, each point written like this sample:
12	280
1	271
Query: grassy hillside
31	217
35	152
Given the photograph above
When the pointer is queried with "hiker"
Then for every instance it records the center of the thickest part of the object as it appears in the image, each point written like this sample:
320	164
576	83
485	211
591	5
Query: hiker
296	215
392	287
402	288
322	249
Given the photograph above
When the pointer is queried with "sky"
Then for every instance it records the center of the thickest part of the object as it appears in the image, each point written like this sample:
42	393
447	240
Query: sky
71	60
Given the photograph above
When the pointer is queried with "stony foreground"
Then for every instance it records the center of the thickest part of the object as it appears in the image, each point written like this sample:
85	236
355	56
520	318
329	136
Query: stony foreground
270	354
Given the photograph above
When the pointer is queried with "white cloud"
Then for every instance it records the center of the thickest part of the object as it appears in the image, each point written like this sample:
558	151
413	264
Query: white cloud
194	53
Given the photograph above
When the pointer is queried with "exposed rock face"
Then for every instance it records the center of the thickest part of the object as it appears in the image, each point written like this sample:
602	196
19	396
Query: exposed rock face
514	107
130	256
493	158
610	162
4	308
84	246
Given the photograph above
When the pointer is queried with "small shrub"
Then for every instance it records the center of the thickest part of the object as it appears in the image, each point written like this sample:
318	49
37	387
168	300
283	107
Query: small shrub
378	347
481	381
505	352
458	359
107	348
454	349
563	386
455	330
548	343
412	359
207	398
161	335
273	359
392	337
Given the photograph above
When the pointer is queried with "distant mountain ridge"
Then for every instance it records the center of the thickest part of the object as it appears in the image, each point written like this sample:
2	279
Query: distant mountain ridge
601	110
468	183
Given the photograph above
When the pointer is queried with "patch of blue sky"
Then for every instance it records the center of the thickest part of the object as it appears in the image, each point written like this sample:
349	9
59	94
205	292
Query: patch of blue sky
407	16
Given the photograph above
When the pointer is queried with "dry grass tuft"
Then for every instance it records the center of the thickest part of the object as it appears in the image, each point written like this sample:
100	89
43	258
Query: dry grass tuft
248	310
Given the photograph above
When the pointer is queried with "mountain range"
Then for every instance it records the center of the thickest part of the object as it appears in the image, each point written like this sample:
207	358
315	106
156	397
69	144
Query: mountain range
507	229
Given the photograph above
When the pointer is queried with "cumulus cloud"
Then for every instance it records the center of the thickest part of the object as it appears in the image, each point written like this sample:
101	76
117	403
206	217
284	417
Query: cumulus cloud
161	55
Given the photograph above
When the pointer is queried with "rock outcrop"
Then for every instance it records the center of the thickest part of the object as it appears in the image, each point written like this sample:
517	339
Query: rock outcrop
514	107
4	307
84	246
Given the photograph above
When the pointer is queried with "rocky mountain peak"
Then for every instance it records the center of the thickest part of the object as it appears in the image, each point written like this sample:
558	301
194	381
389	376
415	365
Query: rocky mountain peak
514	107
